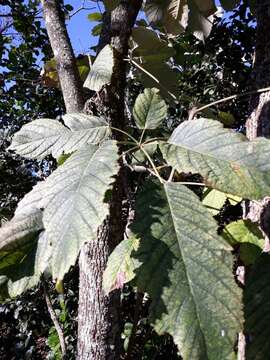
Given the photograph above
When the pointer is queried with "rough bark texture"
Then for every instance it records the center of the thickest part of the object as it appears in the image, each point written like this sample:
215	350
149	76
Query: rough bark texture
66	66
98	315
258	124
98	322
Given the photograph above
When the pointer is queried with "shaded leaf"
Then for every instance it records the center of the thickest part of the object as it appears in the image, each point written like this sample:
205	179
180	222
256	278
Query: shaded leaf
42	137
257	309
149	110
150	46
165	79
226	160
101	71
187	270
248	236
120	266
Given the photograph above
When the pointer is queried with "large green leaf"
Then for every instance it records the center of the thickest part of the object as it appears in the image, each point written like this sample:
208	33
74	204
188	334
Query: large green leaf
75	206
257	309
187	270
200	18
101	71
154	10
24	253
26	272
160	75
226	160
42	137
149	110
150	46
120	267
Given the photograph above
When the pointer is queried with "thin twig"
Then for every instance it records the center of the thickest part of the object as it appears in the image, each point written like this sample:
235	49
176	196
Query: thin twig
232	97
132	339
55	321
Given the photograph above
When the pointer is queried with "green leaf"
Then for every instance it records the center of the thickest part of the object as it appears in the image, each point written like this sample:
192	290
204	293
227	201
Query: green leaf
42	137
176	17
49	74
229	4
249	236
120	266
149	110
96	31
200	18
154	10
101	71
226	160
139	157
257	309
160	75
187	270
214	200
94	16
29	262
150	46
75	206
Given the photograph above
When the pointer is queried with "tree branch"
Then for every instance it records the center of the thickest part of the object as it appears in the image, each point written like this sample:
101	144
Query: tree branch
55	321
66	65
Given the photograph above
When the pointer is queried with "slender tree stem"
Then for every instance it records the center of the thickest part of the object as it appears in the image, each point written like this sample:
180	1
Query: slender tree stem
232	97
55	321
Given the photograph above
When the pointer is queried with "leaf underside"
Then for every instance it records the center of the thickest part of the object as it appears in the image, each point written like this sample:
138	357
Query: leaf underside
46	136
226	160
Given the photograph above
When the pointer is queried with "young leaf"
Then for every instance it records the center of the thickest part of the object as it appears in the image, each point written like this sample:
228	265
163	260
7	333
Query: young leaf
42	137
120	267
248	236
149	110
76	206
94	16
187	270
226	160
257	309
101	71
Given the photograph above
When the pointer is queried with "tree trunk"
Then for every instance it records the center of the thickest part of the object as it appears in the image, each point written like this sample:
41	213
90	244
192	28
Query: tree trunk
98	315
258	124
98	320
68	73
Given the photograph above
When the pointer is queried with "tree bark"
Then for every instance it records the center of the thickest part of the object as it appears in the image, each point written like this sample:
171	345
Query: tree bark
65	60
98	315
258	124
98	321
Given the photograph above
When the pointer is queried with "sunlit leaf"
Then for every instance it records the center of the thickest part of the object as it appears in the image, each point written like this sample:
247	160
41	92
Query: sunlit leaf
149	110
101	71
226	160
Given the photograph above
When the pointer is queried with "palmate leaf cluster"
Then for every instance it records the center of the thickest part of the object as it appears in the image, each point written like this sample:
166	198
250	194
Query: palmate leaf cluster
173	251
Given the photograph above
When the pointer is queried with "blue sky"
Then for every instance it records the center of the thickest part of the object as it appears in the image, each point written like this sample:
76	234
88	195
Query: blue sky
79	27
